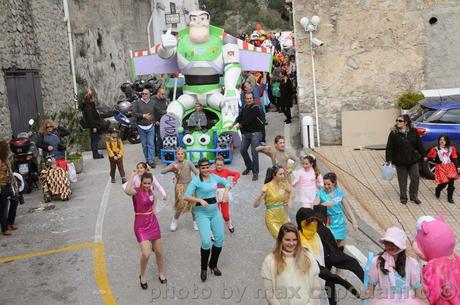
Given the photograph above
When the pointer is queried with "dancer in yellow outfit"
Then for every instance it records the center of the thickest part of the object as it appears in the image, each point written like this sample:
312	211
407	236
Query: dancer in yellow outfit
277	194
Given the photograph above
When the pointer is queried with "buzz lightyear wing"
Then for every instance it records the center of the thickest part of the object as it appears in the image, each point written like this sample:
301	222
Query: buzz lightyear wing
148	62
254	58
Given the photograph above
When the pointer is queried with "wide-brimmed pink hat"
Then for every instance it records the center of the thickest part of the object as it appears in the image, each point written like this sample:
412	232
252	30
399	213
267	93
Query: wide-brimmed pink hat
396	236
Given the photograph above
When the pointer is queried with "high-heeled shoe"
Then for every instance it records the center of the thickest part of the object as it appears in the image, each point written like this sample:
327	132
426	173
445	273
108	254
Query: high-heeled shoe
163	281
216	271
143	285
204	275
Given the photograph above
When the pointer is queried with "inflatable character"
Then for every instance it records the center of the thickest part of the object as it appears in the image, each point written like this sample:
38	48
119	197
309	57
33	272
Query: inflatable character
435	243
202	53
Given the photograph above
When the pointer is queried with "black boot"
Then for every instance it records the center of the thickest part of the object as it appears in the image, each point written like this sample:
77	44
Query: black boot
214	259
204	264
437	191
450	194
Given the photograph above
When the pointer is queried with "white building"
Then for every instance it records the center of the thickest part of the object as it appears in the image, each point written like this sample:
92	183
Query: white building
169	14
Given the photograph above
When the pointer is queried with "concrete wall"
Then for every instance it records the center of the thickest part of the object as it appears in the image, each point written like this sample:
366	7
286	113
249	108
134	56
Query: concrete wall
34	39
374	50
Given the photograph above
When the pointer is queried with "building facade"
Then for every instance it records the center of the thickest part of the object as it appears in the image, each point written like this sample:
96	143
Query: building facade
373	51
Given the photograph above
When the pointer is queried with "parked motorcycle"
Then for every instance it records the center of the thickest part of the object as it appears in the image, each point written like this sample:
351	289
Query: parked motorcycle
25	156
120	117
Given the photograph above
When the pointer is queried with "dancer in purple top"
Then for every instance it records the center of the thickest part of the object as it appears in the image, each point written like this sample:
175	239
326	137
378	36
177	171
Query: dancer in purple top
146	226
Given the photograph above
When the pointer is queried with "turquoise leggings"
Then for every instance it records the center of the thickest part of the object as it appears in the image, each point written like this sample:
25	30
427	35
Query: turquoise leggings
210	219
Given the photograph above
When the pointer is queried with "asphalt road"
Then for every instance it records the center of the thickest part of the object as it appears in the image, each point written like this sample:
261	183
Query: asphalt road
84	251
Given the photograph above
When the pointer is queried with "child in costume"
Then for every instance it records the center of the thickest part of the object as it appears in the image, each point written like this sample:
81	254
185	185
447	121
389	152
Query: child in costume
435	244
182	170
331	200
279	155
446	171
220	171
396	275
309	180
277	194
115	150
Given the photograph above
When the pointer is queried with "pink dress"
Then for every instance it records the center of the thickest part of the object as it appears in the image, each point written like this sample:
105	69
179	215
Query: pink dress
441	280
393	289
308	185
146	226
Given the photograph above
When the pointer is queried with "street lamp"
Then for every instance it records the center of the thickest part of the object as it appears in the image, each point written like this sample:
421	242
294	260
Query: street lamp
310	26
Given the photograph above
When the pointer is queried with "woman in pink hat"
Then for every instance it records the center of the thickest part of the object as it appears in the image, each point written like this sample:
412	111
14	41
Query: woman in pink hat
394	278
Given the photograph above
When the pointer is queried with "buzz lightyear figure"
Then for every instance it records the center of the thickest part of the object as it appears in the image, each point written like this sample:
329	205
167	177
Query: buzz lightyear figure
204	52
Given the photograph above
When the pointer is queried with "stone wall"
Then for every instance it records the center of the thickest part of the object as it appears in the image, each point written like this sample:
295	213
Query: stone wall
34	39
373	51
103	35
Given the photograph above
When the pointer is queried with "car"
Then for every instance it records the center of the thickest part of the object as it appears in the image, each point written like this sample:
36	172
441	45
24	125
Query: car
437	114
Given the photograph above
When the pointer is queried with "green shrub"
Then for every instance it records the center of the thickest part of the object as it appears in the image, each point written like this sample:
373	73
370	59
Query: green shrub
409	99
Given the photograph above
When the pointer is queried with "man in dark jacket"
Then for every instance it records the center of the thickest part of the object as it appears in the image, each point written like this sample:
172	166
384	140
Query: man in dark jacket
94	123
405	150
251	122
160	105
333	256
143	110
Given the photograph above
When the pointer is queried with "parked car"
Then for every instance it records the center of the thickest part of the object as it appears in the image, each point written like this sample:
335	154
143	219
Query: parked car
433	116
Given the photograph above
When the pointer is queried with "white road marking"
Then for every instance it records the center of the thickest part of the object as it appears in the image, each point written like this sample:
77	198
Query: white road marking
356	253
101	213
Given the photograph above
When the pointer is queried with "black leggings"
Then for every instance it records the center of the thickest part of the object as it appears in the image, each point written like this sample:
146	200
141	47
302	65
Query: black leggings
443	185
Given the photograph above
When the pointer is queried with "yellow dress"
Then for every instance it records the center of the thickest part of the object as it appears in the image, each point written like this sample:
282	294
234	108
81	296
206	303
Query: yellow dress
275	200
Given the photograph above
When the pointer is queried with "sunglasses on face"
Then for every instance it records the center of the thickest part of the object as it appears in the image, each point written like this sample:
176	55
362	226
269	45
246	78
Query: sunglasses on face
143	93
399	121
49	126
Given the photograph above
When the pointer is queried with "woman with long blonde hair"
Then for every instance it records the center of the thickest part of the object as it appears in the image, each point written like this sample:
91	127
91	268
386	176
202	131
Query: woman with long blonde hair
290	272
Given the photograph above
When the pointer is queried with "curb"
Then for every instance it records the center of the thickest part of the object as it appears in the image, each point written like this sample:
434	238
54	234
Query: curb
364	227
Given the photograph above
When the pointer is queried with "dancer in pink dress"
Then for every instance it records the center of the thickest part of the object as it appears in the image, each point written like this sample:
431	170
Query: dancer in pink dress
142	168
146	226
309	180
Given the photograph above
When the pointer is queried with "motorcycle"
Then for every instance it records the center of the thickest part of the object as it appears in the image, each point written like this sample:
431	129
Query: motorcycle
25	156
120	117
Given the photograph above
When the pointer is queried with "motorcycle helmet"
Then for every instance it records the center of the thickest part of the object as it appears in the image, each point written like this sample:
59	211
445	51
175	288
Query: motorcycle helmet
124	106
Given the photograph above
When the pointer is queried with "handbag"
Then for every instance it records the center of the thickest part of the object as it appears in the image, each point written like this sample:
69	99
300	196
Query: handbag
387	171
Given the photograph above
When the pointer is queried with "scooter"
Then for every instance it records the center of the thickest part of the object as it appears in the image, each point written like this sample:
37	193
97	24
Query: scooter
25	156
127	128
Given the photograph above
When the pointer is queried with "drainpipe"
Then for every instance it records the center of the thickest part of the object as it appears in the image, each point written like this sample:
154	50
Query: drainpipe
69	32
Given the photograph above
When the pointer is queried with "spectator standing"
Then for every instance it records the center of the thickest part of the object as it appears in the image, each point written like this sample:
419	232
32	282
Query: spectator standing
405	150
446	171
160	106
8	202
49	139
143	110
94	123
115	150
286	96
251	123
257	92
289	268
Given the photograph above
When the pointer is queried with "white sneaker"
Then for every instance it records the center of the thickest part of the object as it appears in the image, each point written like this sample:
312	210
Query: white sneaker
173	225
195	226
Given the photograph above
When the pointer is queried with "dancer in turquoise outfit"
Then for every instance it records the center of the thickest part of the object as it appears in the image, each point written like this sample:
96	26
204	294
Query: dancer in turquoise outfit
331	203
202	191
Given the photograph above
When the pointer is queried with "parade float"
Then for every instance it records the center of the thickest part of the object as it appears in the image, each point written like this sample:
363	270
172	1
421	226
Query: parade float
202	53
